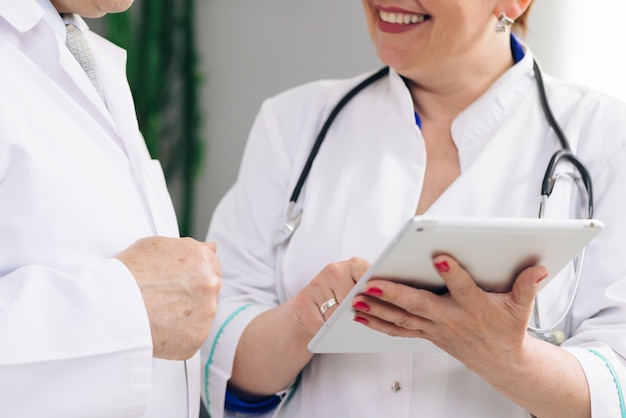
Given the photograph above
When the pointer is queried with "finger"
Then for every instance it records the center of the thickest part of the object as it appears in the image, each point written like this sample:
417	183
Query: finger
213	259
328	307
358	267
527	285
334	282
344	275
416	328
458	281
392	301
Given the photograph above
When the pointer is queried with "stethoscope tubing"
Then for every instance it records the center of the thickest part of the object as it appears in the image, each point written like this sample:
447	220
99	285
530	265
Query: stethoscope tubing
329	121
565	153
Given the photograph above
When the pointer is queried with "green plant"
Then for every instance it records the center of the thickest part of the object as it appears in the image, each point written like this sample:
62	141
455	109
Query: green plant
162	70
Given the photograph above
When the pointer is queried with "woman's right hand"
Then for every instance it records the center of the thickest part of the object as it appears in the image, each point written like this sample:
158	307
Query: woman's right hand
334	281
280	336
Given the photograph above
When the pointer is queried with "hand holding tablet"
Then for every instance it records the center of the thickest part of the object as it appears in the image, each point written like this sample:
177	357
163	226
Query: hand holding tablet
493	250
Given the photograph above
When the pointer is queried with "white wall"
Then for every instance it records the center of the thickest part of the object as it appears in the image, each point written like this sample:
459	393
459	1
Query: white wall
582	41
254	49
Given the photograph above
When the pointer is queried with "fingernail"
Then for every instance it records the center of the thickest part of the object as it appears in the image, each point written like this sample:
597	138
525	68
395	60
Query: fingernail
442	266
374	291
361	320
361	306
542	278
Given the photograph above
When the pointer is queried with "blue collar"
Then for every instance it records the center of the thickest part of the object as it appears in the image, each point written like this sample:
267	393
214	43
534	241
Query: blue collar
516	49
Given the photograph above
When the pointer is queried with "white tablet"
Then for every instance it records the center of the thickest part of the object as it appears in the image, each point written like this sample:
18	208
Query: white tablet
492	250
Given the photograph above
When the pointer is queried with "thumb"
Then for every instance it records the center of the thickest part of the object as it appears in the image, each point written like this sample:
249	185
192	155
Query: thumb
527	285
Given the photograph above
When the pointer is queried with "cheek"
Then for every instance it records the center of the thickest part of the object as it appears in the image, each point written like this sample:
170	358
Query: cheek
370	15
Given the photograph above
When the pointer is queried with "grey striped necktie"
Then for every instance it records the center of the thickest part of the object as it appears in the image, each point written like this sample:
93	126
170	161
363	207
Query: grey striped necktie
76	43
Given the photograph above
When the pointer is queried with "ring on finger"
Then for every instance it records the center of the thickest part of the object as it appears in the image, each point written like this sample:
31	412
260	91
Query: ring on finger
324	307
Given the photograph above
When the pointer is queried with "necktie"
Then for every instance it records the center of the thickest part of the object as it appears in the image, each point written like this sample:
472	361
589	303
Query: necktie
76	43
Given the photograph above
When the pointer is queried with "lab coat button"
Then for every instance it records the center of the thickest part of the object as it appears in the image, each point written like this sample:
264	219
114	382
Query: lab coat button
396	387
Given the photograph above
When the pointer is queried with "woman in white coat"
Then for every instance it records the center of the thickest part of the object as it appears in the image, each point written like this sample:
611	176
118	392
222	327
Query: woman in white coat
456	128
94	318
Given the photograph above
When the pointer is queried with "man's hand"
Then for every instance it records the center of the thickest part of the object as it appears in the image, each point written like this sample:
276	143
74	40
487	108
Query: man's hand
179	280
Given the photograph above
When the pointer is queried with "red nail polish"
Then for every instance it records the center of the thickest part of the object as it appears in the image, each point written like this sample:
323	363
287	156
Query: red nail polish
361	320
361	306
374	291
442	266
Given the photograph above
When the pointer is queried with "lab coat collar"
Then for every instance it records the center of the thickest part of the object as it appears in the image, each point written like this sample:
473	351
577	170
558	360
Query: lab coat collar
401	96
23	15
475	125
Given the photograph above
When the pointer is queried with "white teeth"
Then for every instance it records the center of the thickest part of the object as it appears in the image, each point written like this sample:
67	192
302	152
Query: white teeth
401	18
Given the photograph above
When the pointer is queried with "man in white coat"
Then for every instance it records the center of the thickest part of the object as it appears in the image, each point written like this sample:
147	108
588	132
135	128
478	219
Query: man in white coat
102	305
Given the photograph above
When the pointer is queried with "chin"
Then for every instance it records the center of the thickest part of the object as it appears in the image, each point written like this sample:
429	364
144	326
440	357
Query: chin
102	7
397	61
115	6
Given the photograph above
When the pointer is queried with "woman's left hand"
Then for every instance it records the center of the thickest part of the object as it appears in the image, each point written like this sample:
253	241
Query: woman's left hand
476	327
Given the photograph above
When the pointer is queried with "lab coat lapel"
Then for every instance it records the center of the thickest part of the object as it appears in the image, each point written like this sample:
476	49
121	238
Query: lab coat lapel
487	136
118	118
120	108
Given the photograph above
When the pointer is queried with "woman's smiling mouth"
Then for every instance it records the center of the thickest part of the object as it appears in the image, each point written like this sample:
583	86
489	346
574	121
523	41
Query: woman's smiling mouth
401	18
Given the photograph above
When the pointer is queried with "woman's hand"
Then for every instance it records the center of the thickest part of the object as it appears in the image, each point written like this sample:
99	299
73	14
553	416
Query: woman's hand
334	281
487	333
478	328
280	336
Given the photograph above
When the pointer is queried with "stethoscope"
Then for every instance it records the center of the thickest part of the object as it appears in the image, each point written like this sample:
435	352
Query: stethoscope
549	333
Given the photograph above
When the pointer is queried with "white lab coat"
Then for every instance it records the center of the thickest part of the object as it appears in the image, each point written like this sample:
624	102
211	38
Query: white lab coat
77	186
365	183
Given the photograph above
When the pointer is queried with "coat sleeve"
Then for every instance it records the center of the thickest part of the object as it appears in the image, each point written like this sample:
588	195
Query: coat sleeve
75	342
243	225
599	314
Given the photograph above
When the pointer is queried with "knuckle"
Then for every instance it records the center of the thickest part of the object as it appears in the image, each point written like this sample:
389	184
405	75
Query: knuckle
416	308
394	332
187	240
402	321
333	269
355	260
207	286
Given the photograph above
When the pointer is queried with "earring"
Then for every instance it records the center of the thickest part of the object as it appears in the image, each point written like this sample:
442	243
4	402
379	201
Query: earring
503	22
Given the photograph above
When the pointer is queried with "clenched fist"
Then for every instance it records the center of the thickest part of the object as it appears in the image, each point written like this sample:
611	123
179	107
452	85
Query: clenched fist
179	280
